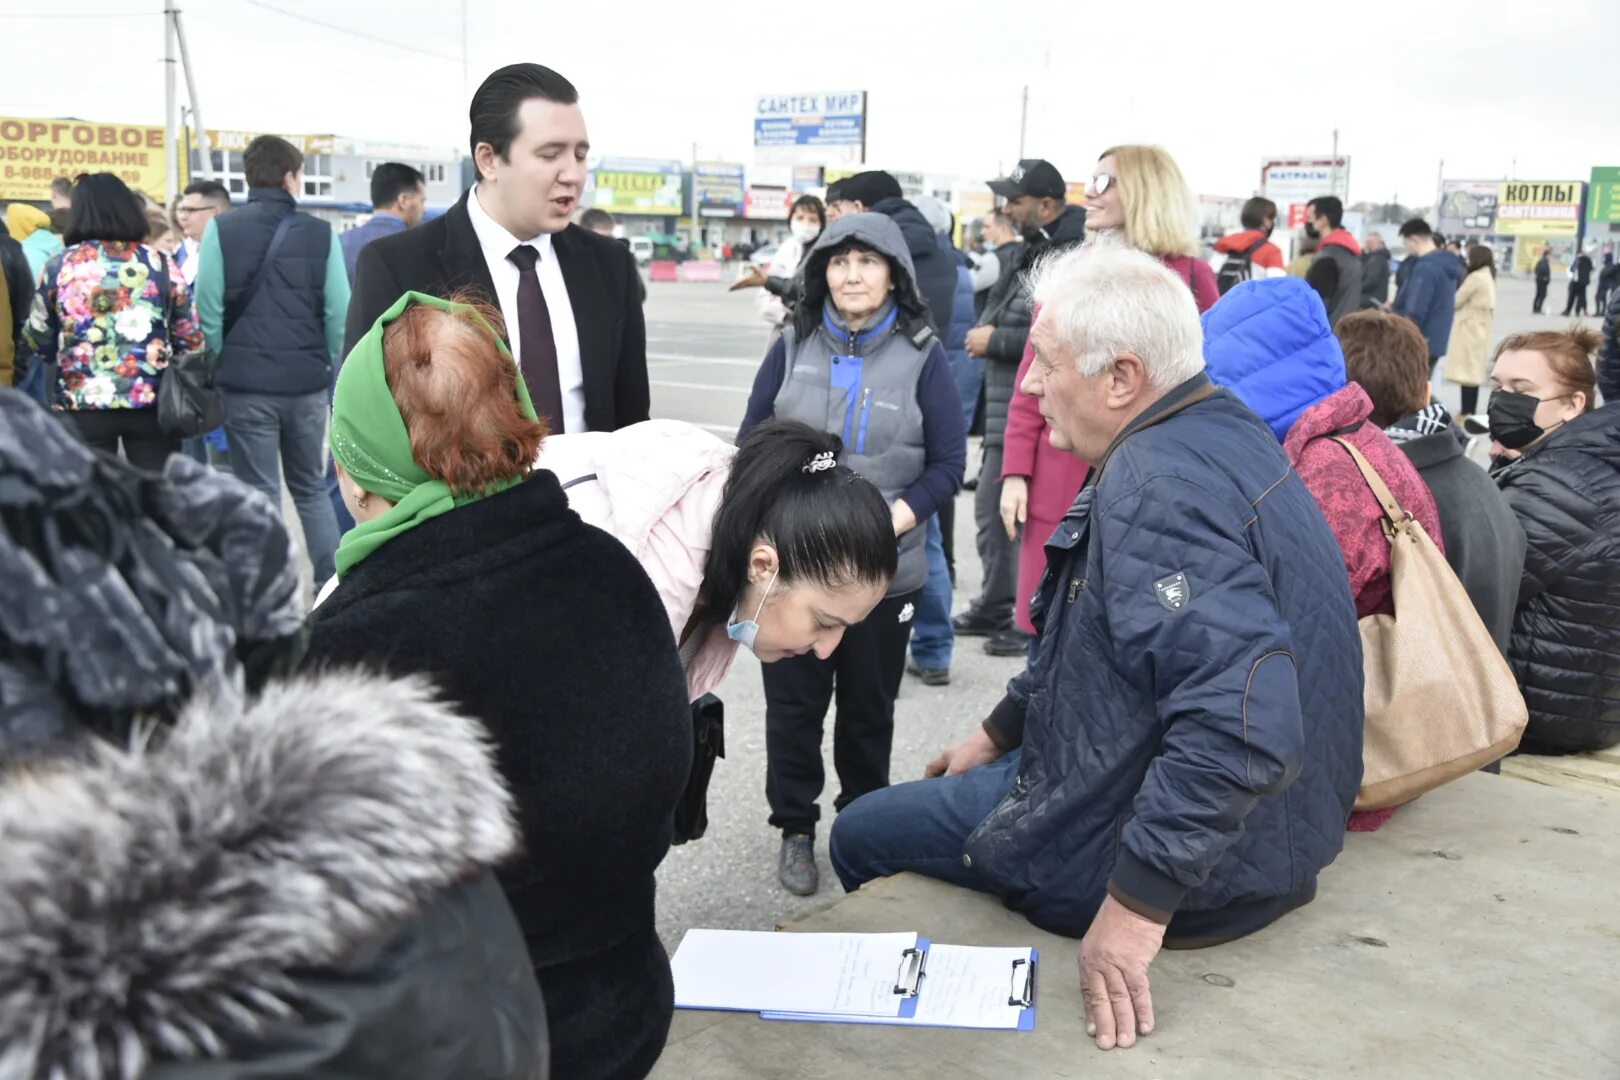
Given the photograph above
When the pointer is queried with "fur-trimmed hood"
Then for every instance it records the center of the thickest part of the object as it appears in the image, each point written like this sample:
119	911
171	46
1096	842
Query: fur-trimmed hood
154	899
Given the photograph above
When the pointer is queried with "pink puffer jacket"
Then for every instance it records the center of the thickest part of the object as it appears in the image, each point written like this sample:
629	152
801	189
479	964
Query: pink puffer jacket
656	487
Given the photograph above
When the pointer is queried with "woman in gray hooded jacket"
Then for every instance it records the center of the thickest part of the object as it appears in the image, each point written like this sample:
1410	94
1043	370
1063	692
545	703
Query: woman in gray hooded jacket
862	361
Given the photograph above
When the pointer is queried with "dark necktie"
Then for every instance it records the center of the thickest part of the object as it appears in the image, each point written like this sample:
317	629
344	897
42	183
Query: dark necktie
536	346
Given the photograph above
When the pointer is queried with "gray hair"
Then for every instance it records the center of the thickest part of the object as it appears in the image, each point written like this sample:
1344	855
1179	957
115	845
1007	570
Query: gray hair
1104	299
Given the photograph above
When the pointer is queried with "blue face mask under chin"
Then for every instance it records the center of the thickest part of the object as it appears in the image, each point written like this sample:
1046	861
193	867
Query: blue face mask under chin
747	633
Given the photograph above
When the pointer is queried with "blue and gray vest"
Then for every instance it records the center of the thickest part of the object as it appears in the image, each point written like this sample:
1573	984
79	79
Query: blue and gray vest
863	387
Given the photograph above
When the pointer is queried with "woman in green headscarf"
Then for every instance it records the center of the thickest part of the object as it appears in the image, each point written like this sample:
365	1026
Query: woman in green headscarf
466	564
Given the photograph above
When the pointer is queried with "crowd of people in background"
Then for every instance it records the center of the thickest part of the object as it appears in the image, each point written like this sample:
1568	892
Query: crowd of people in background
436	797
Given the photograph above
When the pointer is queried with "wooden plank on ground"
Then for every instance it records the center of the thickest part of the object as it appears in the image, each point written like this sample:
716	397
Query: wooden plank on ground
1597	772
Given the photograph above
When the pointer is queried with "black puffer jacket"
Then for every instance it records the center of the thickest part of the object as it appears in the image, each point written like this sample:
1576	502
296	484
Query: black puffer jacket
1609	358
1566	633
1010	311
936	269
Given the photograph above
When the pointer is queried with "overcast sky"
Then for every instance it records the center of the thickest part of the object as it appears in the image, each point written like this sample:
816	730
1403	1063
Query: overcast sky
1406	82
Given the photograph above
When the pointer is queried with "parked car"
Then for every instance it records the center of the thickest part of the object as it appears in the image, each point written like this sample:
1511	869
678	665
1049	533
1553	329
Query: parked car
642	249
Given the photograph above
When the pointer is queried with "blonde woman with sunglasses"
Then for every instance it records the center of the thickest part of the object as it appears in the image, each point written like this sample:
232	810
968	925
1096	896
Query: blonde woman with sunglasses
1137	195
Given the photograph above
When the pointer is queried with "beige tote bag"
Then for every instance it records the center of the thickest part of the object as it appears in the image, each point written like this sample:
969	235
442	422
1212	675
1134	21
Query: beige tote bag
1441	701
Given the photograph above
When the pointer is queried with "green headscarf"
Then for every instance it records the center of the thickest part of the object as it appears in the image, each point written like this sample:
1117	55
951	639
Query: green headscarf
370	441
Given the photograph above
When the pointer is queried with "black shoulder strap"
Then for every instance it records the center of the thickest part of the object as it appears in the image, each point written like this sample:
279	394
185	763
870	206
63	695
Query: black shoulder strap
263	272
1258	244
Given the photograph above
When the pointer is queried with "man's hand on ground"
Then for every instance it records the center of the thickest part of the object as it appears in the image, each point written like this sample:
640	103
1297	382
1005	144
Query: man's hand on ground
1114	959
978	340
975	750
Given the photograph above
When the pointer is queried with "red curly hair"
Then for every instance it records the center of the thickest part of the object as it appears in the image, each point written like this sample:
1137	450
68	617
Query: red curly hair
457	393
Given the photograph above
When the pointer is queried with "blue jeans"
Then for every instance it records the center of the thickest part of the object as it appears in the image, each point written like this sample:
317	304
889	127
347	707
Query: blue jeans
269	433
920	826
969	373
932	637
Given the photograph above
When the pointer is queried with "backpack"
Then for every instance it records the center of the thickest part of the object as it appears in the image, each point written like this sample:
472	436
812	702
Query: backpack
1237	268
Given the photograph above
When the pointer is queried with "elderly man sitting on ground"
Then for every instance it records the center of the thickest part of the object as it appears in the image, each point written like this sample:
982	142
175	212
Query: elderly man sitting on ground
1178	762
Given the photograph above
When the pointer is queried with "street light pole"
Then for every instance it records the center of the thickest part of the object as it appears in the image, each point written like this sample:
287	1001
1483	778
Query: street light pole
171	134
204	151
1023	123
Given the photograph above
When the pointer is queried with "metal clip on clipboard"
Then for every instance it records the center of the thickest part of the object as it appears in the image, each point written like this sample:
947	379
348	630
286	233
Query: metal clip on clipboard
1022	993
909	980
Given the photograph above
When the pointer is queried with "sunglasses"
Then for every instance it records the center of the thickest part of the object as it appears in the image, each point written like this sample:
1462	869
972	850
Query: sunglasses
1100	183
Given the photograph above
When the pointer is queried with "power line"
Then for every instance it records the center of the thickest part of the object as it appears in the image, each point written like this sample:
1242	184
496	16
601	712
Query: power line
353	33
60	15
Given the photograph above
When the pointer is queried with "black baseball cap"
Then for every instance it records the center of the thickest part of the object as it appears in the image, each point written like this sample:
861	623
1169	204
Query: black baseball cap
869	188
1034	176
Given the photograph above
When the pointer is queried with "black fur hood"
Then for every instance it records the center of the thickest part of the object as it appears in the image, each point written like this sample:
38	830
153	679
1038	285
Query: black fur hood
157	900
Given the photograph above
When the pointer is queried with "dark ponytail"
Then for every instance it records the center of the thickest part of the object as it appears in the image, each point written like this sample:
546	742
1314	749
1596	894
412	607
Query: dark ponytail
830	528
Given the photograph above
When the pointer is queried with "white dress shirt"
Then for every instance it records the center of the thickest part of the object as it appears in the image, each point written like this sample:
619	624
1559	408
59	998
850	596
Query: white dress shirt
188	268
498	244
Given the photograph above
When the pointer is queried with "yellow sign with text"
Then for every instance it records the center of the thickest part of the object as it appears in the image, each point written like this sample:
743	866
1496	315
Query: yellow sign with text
1539	208
33	152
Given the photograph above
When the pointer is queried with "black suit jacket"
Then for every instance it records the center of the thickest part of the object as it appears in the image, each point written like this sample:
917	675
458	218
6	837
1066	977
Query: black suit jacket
443	257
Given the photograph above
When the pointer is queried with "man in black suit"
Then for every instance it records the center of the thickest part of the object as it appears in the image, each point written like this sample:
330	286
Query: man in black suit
570	299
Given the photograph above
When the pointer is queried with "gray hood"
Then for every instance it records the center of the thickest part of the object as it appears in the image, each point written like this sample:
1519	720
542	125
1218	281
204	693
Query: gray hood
881	234
155	898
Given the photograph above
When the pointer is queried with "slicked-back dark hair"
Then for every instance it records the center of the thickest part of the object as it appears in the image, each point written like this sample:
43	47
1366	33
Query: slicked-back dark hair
392	179
831	528
493	114
104	208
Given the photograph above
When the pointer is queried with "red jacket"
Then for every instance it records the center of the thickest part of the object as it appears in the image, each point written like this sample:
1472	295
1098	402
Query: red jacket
1054	476
1267	256
1349	505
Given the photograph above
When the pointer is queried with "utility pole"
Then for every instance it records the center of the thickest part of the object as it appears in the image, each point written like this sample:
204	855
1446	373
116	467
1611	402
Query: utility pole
171	131
1023	122
1333	183
204	151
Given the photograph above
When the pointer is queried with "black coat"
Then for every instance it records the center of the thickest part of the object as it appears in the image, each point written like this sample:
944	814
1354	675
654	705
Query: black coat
1011	313
936	270
604	289
1375	277
1566	634
1483	538
1609	355
548	631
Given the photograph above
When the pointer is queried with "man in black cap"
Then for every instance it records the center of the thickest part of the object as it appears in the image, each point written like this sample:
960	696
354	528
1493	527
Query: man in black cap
1035	194
877	192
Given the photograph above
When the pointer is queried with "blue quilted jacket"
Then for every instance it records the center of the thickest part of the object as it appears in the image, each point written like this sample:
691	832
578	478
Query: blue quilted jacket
1191	726
1268	341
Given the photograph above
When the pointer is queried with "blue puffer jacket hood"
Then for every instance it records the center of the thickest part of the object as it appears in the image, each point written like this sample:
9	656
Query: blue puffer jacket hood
1269	342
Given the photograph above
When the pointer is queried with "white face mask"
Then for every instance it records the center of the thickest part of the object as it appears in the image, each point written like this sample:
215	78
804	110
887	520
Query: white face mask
804	232
747	633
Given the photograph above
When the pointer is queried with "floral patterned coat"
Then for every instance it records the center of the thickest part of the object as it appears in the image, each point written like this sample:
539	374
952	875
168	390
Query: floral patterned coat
101	321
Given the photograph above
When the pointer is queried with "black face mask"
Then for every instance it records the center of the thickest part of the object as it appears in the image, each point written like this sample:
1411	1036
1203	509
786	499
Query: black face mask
1512	417
1310	231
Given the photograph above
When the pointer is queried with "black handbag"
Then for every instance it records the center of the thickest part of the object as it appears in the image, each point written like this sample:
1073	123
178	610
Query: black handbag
708	745
188	405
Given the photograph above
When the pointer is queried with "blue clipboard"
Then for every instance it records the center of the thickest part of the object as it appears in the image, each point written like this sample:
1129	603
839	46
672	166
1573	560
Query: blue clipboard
1021	992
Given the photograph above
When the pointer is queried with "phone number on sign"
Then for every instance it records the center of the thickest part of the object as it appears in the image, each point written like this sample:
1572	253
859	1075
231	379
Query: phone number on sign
47	174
